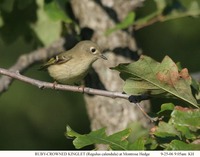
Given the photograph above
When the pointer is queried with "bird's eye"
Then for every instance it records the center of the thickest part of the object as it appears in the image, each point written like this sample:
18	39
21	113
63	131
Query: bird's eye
93	50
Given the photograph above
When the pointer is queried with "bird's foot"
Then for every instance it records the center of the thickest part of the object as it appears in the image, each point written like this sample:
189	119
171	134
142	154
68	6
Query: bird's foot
54	84
82	87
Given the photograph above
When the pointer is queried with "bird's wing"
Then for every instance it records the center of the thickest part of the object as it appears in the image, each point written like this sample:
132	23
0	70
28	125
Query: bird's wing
58	59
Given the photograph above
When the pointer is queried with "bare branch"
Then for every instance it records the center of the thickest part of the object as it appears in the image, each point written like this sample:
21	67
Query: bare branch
25	60
156	19
42	84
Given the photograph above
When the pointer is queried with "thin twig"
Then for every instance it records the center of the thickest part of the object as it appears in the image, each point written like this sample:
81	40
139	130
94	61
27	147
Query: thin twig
42	84
164	18
25	60
156	19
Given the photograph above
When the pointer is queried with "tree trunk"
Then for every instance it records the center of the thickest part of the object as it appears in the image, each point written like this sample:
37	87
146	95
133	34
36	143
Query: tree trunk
98	16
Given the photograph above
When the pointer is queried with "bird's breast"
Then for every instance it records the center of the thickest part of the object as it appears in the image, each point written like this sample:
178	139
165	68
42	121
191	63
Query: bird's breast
70	72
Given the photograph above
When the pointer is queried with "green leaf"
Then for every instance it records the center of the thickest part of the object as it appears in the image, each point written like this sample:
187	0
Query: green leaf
186	117
179	145
56	12
45	28
151	144
185	131
165	130
139	144
146	76
117	141
137	132
71	133
196	89
128	21
166	107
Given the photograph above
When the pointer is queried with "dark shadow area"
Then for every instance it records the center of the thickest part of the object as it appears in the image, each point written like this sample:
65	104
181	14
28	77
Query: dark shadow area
126	52
86	33
13	17
111	12
92	80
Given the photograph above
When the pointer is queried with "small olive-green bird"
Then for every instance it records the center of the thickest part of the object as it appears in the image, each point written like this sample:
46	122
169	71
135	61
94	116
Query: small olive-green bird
72	66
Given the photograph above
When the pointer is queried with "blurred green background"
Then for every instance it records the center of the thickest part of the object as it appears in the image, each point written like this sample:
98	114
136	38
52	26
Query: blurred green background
31	118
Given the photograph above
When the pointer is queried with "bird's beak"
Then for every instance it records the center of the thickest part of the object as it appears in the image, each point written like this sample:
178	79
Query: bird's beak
103	57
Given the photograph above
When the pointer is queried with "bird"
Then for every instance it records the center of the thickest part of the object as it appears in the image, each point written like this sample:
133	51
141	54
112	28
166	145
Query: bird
71	66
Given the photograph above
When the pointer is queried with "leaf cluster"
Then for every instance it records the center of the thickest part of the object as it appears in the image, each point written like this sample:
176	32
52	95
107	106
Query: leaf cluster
32	20
178	127
174	134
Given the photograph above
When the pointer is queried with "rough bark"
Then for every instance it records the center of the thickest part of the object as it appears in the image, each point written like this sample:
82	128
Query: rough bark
100	15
